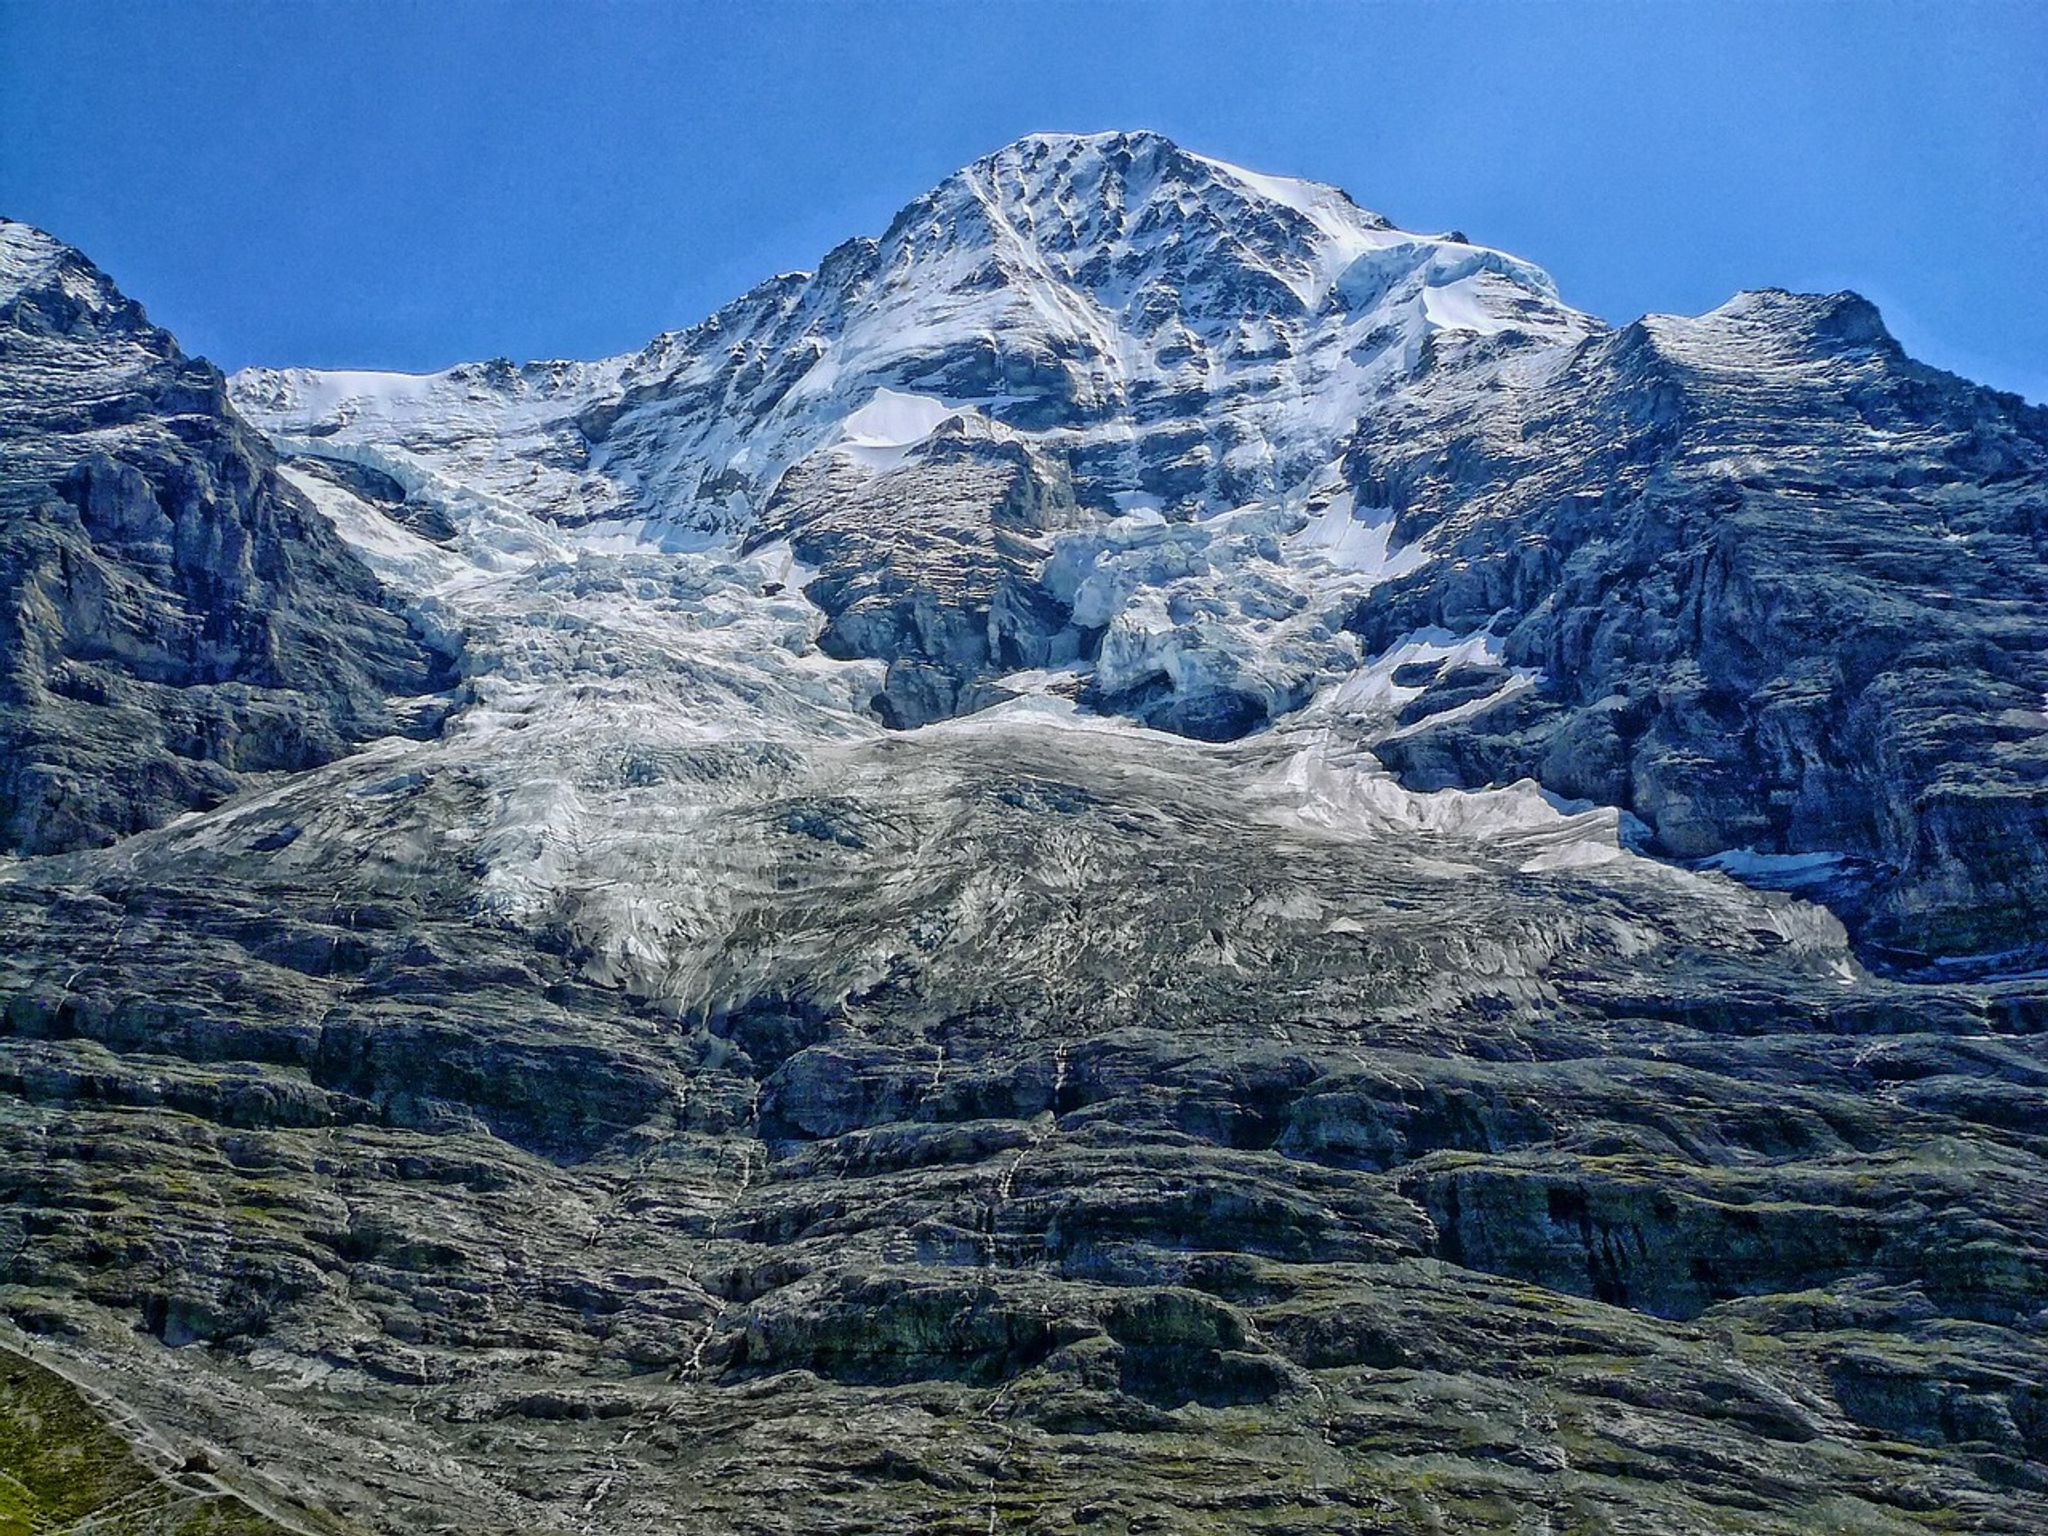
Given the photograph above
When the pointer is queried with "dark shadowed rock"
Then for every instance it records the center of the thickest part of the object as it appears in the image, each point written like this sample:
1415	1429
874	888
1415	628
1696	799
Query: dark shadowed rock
175	616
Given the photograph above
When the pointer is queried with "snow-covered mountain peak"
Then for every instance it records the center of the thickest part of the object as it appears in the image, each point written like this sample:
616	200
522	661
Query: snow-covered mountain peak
1127	217
1147	174
35	262
1116	765
1083	409
1186	333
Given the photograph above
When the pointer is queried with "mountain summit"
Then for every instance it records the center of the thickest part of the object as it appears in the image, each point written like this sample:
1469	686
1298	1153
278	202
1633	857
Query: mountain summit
1252	435
1147	857
1201	336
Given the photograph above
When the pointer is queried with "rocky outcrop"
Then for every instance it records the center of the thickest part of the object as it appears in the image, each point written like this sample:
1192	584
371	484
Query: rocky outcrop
175	616
1329	1180
933	566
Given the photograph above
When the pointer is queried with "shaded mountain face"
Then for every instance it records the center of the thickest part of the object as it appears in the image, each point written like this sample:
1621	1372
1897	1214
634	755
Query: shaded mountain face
1783	588
175	616
1112	865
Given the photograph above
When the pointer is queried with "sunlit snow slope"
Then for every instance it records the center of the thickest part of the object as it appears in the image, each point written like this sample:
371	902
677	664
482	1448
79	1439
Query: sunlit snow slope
1071	430
1173	353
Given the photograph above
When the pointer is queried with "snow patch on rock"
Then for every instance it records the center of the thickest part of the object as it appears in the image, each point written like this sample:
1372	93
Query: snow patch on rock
881	433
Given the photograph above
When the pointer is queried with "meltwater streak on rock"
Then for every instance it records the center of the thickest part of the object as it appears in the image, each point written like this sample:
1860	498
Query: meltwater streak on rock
796	1053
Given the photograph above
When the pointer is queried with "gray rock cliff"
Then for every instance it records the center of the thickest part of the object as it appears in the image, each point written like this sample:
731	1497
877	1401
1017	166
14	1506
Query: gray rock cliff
175	616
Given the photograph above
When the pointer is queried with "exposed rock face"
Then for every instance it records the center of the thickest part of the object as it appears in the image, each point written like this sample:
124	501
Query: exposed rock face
908	997
1784	589
1036	1088
1068	1129
175	616
933	565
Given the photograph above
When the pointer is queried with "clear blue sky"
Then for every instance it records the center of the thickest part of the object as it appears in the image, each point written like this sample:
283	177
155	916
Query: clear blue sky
408	185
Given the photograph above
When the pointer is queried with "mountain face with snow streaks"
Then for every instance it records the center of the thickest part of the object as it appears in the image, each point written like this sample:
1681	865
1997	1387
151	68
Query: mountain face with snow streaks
1149	856
1276	436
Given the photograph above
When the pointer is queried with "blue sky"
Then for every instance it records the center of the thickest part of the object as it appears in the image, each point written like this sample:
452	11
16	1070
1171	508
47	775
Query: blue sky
408	185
